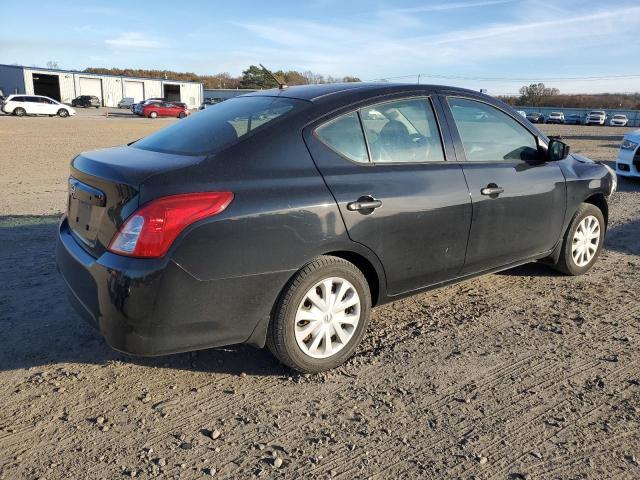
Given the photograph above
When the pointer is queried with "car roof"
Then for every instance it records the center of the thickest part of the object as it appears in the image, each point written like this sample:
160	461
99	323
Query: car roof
314	93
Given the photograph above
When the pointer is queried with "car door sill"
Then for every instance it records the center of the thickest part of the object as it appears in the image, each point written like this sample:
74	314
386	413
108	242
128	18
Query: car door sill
398	296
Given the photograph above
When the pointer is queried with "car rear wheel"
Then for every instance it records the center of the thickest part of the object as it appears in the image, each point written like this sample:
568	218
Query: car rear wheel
62	113
321	316
181	115
19	112
582	241
153	115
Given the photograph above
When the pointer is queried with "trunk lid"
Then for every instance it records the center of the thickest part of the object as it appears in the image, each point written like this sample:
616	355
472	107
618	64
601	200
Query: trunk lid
104	188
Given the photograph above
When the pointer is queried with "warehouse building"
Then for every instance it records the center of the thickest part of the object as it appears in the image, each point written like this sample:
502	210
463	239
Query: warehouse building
65	85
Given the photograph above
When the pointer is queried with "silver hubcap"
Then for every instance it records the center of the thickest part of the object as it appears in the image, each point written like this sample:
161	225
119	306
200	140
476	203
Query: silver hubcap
585	241
327	317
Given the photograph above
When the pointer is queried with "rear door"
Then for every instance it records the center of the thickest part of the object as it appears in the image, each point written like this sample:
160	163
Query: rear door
518	200
34	105
386	165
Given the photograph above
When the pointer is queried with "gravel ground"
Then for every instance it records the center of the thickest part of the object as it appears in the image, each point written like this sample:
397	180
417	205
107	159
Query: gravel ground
521	375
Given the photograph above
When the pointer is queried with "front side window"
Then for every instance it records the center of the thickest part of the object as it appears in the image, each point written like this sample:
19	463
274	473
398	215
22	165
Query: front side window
344	136
402	131
220	125
488	134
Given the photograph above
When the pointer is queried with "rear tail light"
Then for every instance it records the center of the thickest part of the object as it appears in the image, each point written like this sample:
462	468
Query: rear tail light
151	230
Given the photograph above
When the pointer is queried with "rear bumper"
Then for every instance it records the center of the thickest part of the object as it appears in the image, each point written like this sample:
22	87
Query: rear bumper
154	307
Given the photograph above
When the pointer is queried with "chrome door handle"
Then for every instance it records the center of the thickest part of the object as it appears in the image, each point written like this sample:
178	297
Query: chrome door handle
492	189
364	203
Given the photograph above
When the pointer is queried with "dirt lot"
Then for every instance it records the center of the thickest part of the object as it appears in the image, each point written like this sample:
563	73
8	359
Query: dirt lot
523	374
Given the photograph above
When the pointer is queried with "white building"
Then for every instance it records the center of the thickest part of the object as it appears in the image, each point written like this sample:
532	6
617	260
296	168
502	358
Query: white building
65	85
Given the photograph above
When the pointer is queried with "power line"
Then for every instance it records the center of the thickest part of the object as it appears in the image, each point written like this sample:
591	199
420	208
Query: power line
510	79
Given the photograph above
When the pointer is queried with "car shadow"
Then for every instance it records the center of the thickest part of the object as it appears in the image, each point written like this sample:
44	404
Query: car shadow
39	327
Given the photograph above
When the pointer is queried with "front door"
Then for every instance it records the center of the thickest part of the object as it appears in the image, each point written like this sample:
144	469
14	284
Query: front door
398	195
518	199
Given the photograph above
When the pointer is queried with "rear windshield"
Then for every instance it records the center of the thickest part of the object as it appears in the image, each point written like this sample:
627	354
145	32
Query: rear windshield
220	125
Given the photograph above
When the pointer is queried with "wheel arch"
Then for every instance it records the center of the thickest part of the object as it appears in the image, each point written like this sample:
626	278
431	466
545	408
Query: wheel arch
600	201
370	268
366	267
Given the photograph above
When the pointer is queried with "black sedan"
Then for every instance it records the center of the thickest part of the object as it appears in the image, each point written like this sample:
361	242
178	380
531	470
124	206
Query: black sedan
86	101
535	117
283	216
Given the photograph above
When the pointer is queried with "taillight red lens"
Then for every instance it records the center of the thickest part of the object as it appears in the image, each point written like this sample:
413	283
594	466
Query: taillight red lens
151	230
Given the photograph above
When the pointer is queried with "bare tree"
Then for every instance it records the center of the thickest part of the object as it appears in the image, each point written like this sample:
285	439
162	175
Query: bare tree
534	93
52	64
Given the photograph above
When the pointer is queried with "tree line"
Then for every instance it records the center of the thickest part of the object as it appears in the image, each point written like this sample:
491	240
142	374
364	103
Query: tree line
253	77
538	95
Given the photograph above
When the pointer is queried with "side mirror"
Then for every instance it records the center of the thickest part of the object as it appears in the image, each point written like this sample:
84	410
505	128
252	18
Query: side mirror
557	150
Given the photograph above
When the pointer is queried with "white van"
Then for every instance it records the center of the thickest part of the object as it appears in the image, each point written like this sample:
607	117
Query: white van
21	105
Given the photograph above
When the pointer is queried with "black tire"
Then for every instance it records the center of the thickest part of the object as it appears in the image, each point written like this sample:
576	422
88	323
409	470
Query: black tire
19	112
281	332
181	115
63	113
566	264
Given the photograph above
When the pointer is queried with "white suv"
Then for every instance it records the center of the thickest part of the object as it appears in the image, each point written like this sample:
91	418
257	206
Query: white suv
21	105
596	117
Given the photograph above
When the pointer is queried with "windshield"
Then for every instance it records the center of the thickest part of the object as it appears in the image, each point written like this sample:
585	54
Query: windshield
220	125
619	117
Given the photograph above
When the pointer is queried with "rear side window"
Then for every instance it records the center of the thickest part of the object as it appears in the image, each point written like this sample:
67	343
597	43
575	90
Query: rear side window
488	134
403	131
220	125
344	136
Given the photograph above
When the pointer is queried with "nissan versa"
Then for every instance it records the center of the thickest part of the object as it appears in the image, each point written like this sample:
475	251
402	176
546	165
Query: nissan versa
282	217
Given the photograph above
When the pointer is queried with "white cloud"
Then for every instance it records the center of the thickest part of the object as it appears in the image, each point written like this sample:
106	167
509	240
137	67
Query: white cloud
135	40
373	49
442	7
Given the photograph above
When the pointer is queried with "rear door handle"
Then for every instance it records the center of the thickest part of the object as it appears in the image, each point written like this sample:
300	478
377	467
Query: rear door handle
364	203
492	189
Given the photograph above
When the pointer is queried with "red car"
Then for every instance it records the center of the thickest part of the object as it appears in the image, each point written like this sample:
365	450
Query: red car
165	109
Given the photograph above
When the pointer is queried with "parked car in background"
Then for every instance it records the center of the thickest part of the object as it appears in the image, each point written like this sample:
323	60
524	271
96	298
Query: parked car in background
221	229
619	121
137	107
555	117
164	109
126	102
21	105
628	162
86	101
209	102
181	104
522	113
535	117
596	117
573	119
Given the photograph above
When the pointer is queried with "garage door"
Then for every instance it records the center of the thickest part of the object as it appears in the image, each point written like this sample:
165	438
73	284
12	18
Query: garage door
91	86
134	89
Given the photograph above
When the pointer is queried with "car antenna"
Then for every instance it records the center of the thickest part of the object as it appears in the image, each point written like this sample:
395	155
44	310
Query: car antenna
279	81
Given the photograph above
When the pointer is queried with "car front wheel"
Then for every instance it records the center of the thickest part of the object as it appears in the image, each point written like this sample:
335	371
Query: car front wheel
62	113
582	241
321	315
19	112
153	115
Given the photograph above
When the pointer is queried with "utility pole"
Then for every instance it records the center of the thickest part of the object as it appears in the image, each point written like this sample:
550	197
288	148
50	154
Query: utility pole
418	79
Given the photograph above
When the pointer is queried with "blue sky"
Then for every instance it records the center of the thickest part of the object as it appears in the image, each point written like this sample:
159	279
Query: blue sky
494	44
